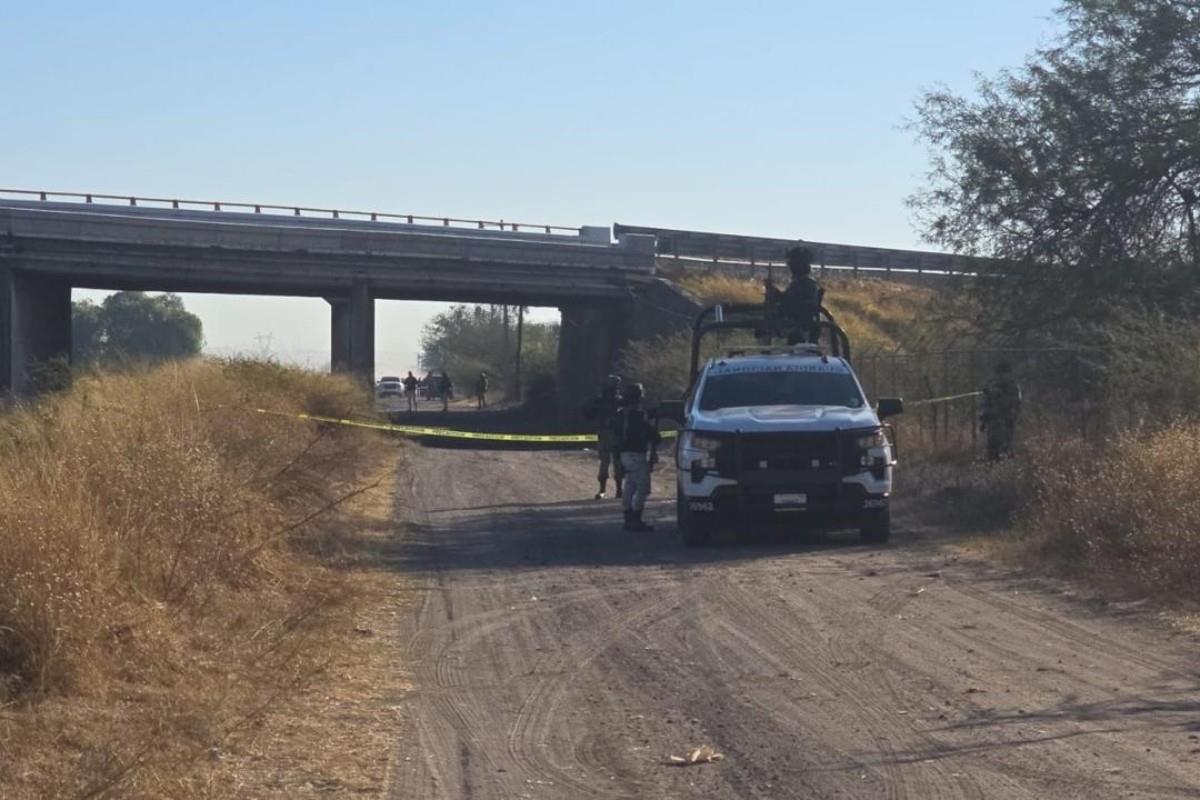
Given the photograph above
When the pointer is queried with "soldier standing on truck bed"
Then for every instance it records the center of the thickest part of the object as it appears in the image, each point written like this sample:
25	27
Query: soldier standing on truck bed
999	411
799	304
639	440
604	410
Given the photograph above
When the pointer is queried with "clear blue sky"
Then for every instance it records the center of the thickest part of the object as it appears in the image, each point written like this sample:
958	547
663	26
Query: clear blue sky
774	118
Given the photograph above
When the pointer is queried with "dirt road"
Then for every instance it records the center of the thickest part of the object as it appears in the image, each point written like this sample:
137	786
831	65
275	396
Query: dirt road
554	656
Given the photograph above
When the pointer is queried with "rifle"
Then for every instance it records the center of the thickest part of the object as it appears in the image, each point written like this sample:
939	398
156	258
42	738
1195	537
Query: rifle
770	304
653	417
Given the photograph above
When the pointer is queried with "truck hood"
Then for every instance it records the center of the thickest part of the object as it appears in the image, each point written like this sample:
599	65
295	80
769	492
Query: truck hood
783	419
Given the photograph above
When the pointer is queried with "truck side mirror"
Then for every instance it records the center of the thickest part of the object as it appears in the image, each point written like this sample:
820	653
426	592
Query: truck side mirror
672	410
889	407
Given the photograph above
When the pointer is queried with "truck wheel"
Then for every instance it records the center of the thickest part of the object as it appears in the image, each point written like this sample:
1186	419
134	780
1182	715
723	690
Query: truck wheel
876	527
693	532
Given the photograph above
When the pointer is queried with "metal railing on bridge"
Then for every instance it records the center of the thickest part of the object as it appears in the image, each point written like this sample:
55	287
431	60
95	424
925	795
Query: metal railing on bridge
731	251
289	210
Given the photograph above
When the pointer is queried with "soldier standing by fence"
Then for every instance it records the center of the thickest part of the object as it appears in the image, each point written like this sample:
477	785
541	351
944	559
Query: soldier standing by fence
999	411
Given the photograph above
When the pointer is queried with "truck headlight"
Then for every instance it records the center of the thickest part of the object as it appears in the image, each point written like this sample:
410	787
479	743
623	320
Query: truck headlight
698	448
874	449
872	440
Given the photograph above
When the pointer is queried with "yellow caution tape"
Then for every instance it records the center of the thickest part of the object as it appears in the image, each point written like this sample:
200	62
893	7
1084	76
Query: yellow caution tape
934	400
449	433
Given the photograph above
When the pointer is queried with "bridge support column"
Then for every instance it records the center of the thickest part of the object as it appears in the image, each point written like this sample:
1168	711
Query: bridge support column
352	332
35	329
587	350
339	334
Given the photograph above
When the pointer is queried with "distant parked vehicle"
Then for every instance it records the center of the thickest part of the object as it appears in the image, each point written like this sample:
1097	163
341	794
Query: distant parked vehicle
389	395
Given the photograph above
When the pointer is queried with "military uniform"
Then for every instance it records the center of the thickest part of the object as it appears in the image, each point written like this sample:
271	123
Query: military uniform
797	307
603	410
801	302
998	415
481	389
639	437
410	391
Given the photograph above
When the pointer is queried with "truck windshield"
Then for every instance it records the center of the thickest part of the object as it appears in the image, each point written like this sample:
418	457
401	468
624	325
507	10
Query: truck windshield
780	388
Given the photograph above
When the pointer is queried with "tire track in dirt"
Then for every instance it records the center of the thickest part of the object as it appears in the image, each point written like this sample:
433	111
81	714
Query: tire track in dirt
554	656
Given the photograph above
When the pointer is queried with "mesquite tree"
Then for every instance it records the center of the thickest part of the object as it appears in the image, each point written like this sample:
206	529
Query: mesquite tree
1081	169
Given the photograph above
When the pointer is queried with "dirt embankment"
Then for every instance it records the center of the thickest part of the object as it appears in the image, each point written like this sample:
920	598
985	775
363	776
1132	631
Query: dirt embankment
552	655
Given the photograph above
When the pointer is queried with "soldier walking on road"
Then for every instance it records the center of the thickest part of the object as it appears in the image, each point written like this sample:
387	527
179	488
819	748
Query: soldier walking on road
799	304
410	390
638	443
999	411
604	410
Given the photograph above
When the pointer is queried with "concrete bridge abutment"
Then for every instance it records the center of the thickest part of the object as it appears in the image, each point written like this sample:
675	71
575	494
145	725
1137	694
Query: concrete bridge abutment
588	344
593	337
35	329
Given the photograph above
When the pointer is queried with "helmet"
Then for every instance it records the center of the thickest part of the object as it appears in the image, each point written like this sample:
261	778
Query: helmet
633	392
799	258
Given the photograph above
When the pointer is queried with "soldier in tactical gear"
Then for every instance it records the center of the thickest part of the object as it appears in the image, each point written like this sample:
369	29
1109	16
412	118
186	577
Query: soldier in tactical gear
798	305
999	411
604	410
638	444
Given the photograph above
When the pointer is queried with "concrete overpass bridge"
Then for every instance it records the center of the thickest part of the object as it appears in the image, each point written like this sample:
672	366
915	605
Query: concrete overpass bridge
50	244
603	280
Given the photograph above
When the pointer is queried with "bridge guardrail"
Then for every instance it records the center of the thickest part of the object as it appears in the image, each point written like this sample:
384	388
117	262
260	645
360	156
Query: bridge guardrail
754	252
292	210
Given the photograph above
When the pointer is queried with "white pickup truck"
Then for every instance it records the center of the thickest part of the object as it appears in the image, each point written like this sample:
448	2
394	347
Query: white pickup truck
782	434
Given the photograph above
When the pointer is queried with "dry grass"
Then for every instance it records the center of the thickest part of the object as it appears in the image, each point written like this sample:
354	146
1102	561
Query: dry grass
1121	516
164	572
1126	517
878	316
709	289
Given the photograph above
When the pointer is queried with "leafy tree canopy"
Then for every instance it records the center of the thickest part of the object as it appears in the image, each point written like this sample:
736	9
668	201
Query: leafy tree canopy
135	326
1081	168
470	338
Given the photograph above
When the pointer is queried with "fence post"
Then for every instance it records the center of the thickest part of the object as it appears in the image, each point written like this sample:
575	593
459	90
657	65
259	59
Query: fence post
946	393
973	421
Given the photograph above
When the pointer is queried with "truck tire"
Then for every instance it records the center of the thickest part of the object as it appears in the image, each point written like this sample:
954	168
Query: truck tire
692	531
876	527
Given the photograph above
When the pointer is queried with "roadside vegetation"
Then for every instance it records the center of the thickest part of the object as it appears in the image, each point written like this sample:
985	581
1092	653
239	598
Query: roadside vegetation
174	569
134	327
1079	171
469	338
878	316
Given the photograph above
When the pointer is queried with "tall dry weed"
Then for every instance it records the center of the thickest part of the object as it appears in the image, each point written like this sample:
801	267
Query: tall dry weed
1127	514
156	584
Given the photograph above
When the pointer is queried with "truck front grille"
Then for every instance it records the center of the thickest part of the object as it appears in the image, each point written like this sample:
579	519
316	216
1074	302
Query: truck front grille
778	452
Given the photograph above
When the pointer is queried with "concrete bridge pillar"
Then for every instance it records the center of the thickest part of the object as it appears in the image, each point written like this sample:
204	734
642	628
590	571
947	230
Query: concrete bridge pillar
35	328
352	332
587	350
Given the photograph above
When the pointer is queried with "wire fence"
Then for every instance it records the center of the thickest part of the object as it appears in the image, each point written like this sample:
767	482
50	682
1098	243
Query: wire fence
1051	380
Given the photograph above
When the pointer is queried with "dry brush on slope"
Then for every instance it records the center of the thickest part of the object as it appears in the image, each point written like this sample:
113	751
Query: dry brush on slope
165	570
